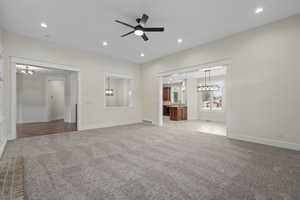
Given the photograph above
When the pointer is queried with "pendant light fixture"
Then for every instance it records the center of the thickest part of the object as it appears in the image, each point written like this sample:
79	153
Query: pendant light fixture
109	91
27	71
207	87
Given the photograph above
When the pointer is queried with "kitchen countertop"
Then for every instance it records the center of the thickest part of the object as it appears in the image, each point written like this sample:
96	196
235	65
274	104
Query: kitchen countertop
176	105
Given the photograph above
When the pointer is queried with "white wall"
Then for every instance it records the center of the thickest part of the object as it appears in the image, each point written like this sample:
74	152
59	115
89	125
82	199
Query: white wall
71	98
1	41
92	69
56	95
263	94
192	99
70	80
121	95
31	98
2	114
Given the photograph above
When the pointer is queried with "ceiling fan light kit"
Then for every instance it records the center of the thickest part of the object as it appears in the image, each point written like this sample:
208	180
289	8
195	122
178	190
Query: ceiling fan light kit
140	29
139	32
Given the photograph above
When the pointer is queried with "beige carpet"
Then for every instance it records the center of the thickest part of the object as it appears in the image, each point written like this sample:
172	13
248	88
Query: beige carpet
12	179
216	128
145	162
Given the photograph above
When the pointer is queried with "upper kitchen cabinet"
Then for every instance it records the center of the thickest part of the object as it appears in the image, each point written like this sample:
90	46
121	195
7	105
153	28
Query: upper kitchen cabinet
167	94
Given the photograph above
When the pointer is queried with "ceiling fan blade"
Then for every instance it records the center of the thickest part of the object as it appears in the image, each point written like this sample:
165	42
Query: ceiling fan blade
144	36
154	29
127	33
125	24
144	19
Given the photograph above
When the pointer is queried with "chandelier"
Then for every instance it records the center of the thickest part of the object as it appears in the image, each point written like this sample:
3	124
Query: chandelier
27	71
109	91
207	87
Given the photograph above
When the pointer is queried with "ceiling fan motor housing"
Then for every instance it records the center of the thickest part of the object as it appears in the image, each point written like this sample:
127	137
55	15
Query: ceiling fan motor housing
139	27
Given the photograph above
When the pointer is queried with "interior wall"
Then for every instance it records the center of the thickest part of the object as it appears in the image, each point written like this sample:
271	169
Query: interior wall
262	81
71	97
2	119
121	89
31	99
1	41
92	70
56	95
192	103
70	80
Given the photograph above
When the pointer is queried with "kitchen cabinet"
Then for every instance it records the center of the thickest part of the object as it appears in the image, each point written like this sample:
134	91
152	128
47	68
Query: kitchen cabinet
166	110
178	113
166	94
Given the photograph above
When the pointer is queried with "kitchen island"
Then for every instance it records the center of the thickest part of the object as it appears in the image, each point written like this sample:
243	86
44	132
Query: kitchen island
177	112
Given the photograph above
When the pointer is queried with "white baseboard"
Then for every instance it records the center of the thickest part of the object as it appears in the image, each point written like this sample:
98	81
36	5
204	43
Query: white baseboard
270	142
2	146
146	121
31	121
110	125
69	121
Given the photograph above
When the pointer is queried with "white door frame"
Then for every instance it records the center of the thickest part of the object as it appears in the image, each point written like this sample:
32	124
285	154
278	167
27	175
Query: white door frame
222	62
48	95
16	60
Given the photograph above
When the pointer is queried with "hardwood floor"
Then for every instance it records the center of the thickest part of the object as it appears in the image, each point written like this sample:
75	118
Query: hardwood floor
44	128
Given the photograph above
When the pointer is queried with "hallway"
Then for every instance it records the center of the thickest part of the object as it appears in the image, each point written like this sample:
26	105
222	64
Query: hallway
44	128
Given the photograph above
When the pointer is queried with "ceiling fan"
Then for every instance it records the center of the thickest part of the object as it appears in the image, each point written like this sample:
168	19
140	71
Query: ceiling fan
140	29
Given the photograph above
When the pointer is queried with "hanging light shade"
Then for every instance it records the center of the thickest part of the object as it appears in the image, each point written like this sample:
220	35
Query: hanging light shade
27	71
206	87
109	91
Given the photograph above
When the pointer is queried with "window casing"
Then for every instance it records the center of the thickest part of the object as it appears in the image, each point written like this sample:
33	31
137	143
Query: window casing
213	101
120	88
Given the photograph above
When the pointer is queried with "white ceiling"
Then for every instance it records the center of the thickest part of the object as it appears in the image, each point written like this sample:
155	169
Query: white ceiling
86	24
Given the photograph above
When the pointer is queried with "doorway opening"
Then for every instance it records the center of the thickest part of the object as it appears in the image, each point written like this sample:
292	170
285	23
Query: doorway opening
195	99
46	100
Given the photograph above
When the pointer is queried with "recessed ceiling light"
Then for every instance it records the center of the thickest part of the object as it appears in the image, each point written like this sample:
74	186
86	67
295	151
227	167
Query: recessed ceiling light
142	54
259	10
179	40
104	43
44	25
